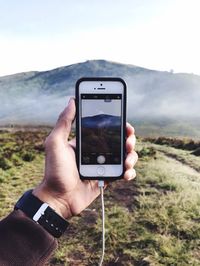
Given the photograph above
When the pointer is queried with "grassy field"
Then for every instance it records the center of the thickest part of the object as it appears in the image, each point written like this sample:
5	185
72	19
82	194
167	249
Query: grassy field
153	220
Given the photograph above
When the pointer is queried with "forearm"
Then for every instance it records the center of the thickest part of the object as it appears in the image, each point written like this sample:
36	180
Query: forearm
23	242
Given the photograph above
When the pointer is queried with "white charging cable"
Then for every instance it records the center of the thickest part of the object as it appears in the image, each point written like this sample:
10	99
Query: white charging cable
101	186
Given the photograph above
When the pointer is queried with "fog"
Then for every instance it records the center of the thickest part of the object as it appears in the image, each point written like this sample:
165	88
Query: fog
38	109
161	97
151	95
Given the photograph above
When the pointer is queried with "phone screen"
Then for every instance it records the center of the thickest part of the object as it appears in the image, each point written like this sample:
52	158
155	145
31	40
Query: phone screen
101	127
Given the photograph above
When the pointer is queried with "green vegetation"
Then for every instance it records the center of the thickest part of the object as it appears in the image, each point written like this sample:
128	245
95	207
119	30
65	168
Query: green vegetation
153	220
176	128
147	152
179	143
28	156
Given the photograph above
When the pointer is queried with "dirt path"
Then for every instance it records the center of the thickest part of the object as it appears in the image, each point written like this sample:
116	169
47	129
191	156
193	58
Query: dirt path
180	159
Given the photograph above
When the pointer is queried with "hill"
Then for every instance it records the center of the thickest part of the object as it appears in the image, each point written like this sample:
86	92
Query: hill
163	100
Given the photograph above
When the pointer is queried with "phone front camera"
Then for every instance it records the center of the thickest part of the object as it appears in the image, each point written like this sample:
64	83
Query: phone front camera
101	84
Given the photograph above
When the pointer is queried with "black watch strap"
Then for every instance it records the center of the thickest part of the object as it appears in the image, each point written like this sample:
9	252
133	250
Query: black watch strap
41	213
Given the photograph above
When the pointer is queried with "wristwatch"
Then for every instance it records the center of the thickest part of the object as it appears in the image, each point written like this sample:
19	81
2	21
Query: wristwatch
41	213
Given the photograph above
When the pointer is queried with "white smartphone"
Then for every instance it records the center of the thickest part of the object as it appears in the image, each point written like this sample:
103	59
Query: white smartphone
100	127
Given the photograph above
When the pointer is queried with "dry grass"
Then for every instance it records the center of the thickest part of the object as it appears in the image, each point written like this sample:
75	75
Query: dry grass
151	221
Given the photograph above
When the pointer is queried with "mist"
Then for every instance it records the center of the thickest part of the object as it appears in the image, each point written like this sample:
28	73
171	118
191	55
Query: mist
162	96
37	98
32	110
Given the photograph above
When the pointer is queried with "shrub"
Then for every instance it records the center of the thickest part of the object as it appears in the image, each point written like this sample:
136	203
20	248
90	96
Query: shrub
28	156
16	160
5	164
147	152
185	144
1	179
196	152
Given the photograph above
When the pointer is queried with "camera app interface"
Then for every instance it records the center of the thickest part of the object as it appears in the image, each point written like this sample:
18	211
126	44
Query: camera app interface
101	128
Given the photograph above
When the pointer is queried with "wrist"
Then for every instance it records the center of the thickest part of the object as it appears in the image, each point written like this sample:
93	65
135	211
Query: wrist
41	213
55	202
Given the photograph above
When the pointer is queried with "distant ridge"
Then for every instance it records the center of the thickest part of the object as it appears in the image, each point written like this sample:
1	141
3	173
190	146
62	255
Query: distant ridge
100	121
52	80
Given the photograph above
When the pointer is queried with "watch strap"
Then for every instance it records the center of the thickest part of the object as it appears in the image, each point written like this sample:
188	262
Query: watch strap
42	214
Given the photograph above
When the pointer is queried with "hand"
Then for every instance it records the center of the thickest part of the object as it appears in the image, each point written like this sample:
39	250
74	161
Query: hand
62	187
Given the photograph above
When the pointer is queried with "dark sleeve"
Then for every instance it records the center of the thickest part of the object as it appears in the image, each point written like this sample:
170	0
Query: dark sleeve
23	242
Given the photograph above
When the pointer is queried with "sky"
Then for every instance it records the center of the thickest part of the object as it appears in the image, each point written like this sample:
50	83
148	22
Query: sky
155	34
95	107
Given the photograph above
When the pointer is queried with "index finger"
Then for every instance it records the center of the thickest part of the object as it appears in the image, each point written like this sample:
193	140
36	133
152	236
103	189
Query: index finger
131	139
129	129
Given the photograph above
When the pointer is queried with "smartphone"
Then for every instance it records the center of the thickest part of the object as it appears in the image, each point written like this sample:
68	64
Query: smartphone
100	127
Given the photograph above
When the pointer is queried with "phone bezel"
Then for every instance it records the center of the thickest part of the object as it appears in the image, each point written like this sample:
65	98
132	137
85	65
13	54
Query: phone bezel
100	79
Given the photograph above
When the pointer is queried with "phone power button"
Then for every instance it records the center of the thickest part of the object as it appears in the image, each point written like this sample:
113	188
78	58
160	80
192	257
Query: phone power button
100	170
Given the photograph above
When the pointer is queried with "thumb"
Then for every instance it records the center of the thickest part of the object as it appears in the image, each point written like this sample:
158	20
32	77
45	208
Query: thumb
65	120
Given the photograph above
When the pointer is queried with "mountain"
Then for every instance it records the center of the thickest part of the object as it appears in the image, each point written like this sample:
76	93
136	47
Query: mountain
101	121
154	97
